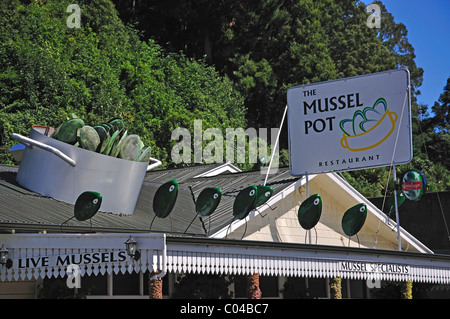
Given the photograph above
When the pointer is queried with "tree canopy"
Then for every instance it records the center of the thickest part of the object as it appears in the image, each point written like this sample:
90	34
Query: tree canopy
100	71
267	46
160	65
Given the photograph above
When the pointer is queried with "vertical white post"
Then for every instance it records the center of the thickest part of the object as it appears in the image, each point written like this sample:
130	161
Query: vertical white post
307	196
109	284
399	238
276	143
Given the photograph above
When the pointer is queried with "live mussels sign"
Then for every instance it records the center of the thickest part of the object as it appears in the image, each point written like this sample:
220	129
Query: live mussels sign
352	123
65	260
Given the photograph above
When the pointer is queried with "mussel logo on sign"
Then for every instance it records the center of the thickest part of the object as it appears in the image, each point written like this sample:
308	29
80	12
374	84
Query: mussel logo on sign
351	123
368	128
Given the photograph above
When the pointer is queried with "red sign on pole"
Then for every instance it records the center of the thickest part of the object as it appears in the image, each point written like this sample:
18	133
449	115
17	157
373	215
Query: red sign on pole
412	186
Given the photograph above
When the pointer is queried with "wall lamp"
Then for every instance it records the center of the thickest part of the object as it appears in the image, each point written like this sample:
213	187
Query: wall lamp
131	245
4	257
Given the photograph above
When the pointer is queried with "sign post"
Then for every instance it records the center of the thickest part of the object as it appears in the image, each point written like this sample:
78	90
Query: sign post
397	215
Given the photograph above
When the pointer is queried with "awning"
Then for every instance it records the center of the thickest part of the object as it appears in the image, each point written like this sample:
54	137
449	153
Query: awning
299	260
49	255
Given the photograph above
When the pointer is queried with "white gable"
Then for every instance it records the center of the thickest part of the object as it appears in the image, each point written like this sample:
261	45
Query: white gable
224	168
277	220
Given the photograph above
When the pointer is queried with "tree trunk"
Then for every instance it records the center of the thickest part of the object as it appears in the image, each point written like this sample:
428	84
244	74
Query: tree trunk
253	291
336	288
406	290
155	288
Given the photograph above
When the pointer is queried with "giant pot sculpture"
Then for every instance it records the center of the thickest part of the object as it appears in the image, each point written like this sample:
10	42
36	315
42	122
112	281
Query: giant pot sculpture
63	171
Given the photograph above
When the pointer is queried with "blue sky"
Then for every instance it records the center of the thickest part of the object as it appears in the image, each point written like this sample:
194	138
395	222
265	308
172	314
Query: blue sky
428	25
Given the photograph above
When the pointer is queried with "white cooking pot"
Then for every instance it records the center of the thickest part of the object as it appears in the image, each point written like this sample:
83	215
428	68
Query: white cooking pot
63	171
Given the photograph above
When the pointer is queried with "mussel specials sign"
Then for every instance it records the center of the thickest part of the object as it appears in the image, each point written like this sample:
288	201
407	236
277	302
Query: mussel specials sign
352	123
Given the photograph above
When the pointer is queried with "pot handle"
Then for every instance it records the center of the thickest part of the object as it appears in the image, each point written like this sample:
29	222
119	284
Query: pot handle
28	142
156	163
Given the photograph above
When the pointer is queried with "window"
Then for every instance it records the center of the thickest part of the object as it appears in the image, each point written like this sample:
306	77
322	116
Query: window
269	286
126	284
358	289
318	288
305	288
93	285
240	287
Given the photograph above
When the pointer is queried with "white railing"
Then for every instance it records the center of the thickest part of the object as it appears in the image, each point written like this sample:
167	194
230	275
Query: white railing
49	255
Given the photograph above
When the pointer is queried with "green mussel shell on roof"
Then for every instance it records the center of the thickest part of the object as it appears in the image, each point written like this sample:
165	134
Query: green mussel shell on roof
263	194
207	201
353	219
67	132
309	211
244	202
87	205
165	198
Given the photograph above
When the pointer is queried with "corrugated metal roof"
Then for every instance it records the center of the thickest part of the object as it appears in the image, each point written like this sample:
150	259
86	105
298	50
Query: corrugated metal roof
23	210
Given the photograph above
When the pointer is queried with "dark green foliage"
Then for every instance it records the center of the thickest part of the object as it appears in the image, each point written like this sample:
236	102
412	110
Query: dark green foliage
250	52
435	129
267	46
441	110
102	71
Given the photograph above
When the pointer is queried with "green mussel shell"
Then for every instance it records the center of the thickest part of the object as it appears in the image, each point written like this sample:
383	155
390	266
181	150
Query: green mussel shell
165	198
88	138
245	202
309	211
353	219
68	131
87	205
263	194
130	147
207	201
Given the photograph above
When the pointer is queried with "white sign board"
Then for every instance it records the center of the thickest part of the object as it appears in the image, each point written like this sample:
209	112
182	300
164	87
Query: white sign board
352	123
